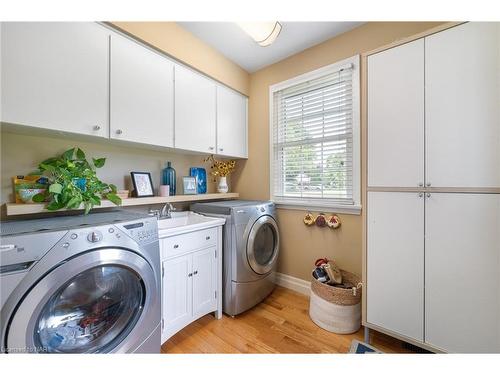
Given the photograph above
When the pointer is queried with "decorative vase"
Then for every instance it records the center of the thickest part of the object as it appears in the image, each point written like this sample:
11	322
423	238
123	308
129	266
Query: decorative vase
223	188
169	178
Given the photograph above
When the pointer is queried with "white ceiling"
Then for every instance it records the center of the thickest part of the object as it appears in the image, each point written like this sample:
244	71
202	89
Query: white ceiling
236	45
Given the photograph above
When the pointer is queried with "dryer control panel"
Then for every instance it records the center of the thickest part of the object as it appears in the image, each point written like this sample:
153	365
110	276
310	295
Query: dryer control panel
143	231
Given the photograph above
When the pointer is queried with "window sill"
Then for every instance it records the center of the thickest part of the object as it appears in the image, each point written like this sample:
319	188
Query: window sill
304	206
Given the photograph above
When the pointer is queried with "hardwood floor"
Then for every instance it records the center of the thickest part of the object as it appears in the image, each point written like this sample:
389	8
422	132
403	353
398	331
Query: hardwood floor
280	324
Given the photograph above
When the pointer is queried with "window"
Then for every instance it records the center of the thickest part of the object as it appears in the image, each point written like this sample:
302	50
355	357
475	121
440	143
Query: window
315	139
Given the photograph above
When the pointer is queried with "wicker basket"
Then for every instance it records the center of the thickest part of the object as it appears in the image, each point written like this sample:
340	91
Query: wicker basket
336	309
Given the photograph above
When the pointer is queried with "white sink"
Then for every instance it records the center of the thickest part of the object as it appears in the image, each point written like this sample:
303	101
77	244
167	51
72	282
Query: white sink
186	221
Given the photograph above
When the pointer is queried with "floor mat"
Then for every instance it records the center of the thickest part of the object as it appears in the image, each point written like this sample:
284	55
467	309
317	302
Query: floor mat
358	347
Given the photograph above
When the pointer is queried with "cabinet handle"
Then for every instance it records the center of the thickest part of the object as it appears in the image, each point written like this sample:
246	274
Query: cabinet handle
420	184
428	184
420	195
190	274
428	195
221	149
176	246
119	131
207	238
210	148
195	273
97	128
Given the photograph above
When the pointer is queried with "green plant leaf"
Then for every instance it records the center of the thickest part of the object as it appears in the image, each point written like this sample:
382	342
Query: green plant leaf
80	155
74	202
37	198
113	188
55	188
114	198
68	154
99	163
54	206
88	207
47	167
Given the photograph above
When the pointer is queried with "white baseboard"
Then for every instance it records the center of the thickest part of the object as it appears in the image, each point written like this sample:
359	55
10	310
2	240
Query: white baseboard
293	283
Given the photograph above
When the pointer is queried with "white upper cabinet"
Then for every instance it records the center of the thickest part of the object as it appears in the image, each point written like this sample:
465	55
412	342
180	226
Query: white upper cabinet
462	104
141	94
55	76
195	111
231	123
396	116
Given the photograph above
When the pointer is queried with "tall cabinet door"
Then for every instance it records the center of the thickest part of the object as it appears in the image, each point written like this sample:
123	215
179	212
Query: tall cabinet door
177	294
141	94
231	123
395	262
204	282
462	103
55	76
462	272
396	116
195	111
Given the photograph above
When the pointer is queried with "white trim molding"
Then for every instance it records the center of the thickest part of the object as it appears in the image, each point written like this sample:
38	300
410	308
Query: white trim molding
293	283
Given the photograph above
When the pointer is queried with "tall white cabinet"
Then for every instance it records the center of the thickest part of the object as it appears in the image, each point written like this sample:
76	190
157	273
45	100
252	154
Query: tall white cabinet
433	190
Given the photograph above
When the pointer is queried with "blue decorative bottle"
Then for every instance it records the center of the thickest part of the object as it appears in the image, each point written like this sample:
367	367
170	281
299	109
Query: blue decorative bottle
168	178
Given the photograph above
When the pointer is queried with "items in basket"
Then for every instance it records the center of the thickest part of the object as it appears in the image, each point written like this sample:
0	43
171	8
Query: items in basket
328	267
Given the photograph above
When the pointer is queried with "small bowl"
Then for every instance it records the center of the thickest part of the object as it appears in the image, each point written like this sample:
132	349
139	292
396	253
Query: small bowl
27	195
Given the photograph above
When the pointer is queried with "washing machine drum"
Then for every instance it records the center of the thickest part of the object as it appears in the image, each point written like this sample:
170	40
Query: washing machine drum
263	245
93	310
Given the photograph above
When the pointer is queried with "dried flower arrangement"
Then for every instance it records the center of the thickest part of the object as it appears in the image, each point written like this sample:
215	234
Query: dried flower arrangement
220	168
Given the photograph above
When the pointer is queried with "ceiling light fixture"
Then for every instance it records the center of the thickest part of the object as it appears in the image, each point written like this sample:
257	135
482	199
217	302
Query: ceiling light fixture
264	33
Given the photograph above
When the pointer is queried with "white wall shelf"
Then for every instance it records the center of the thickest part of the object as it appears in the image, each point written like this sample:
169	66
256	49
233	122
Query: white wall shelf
39	208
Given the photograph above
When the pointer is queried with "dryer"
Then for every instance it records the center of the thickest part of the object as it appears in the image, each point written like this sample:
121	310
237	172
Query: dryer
251	249
80	284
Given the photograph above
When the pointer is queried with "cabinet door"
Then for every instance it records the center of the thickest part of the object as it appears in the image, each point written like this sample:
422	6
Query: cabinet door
462	268
396	116
195	108
462	96
177	294
141	94
55	76
231	123
204	282
395	262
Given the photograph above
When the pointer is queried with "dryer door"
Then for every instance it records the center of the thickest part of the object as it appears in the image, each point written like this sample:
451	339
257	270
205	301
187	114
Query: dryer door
88	304
263	245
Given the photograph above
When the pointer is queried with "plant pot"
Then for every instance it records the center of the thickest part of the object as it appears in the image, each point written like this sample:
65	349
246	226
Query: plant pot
222	187
80	183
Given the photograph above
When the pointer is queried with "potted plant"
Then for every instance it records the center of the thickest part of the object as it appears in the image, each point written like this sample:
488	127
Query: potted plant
73	182
221	169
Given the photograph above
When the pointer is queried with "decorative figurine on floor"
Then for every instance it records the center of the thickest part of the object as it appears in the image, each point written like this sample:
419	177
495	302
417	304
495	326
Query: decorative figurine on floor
321	220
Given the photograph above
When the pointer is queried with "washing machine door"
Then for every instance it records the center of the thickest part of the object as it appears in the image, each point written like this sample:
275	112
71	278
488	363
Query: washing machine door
88	304
263	245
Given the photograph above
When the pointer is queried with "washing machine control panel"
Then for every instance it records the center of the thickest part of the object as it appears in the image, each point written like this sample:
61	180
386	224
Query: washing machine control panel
142	231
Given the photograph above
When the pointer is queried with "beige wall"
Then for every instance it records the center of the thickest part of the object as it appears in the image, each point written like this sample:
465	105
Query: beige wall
181	44
302	245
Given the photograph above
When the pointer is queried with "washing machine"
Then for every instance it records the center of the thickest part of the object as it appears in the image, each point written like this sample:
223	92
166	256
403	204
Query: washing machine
250	250
80	284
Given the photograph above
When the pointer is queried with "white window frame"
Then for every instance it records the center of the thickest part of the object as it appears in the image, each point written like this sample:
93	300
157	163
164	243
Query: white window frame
315	205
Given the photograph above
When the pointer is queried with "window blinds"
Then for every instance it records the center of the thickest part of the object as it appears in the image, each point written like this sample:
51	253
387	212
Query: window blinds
313	140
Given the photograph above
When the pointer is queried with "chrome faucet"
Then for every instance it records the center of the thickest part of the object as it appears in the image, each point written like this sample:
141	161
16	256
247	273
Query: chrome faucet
164	213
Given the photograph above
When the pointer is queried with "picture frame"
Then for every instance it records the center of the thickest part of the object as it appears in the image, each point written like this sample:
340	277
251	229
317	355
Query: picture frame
189	185
143	184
